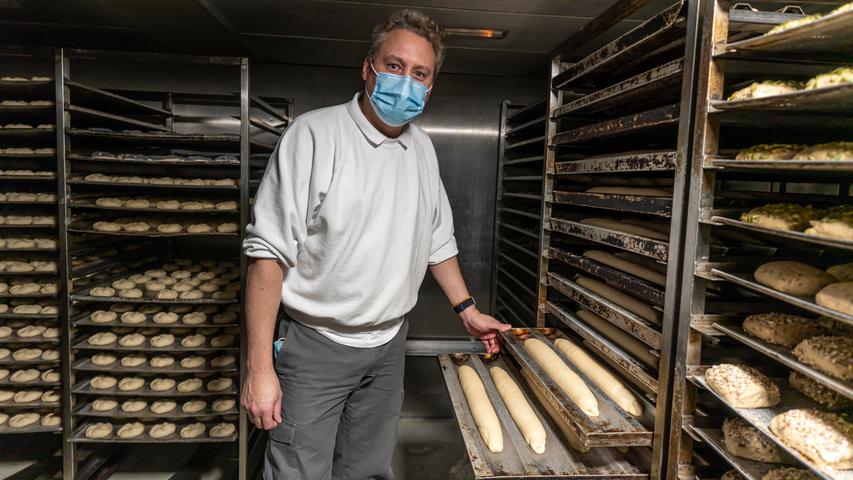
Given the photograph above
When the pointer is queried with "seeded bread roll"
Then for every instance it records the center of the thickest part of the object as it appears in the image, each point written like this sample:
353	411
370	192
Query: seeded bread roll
830	354
818	392
781	328
824	438
795	278
789	473
838	297
742	386
745	441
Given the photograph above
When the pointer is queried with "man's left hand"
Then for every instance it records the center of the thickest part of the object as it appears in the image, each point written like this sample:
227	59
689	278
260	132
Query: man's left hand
484	327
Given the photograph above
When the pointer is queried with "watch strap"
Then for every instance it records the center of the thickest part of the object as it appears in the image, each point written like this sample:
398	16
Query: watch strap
461	306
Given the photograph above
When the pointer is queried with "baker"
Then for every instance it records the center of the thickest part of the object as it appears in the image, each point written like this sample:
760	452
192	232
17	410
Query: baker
350	214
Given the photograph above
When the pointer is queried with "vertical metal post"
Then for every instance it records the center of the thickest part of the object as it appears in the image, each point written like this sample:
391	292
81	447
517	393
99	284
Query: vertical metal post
496	234
245	214
61	71
713	22
554	101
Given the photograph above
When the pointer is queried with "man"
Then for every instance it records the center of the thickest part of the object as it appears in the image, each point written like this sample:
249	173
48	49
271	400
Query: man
350	214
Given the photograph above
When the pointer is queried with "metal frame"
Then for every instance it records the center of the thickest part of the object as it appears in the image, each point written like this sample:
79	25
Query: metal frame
698	318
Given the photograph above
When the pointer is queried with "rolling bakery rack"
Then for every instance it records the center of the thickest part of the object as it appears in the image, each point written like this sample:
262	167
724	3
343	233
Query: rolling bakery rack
518	206
722	188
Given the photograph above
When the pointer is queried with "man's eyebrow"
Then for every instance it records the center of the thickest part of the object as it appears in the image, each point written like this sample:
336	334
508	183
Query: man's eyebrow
399	60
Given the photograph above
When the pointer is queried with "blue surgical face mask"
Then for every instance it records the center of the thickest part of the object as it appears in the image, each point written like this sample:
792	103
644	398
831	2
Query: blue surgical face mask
397	99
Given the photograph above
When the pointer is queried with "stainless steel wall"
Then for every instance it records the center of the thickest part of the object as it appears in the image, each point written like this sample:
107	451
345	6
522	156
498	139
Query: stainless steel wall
462	119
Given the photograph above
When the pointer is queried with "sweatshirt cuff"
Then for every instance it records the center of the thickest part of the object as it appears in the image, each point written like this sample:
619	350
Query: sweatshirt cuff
257	248
444	252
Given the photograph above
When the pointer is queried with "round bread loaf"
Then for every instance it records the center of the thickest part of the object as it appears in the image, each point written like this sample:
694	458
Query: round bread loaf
130	293
102	359
193	341
162	341
162	361
190	385
192	362
742	386
795	278
133	318
132	340
102	292
165	318
102	339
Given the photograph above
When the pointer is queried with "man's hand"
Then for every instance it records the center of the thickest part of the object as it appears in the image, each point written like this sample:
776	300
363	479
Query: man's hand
484	327
262	398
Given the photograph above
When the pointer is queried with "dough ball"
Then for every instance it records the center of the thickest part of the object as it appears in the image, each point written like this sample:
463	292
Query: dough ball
133	361
101	316
194	318
165	318
25	376
193	406
50	355
130	293
23	420
220	384
133	406
193	430
222	341
50	397
156	273
138	203
133	318
223	361
130	430
843	272
102	339
170	228
228	205
104	405
167	294
102	292
123	284
221	430
225	318
129	384
102	359
795	278
31	331
192	362
193	341
209	287
168	205
199	228
102	382
5	331
228	227
27	396
6	395
223	405
99	430
162	407
50	376
162	340
132	340
162	361
190	385
838	297
149	309
26	354
51	420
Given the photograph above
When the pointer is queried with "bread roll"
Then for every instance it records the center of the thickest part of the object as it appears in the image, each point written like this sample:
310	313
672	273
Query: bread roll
830	354
781	328
193	430
563	376
221	430
837	296
162	430
824	438
795	278
745	441
523	415
742	386
99	430
162	407
818	392
789	473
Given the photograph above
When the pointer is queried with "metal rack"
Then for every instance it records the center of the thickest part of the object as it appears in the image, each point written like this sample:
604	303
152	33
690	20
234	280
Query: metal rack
518	204
28	178
732	54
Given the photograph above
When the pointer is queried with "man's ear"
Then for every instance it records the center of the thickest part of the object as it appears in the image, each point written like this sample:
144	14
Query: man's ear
365	67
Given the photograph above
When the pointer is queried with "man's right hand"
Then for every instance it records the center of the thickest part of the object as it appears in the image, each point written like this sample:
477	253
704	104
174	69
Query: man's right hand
261	397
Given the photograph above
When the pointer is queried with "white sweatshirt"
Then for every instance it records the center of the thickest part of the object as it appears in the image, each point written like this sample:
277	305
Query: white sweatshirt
355	217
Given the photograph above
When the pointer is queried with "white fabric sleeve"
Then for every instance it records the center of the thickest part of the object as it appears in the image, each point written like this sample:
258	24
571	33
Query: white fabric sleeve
283	201
443	241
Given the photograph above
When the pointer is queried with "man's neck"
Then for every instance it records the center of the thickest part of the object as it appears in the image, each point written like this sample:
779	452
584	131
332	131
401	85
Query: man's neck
367	110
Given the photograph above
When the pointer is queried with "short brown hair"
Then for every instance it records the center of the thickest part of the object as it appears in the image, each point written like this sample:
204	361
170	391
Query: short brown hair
414	21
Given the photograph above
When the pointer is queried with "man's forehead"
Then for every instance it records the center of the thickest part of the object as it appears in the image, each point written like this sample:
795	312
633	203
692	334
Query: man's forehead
408	47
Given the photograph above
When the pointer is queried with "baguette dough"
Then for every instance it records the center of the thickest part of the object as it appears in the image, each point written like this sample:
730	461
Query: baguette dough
621	338
606	381
523	415
781	328
795	278
481	409
625	228
824	438
742	386
831	354
635	191
641	309
745	441
569	381
838	297
639	271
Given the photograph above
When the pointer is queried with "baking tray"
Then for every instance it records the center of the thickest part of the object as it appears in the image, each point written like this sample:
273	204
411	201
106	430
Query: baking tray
760	418
84	321
749	469
647	161
784	356
27	156
537	143
81	181
32	203
176	347
37	405
150	161
747	280
80	437
529	251
647	37
113	102
29	133
826	39
661	206
9	361
82	229
520	161
642	86
86	365
526	113
631	368
29	178
90	116
203	301
30	87
25	316
526	233
612	428
224	140
17	339
7	430
639	328
833	99
633	243
612	276
559	460
85	203
28	227
628	124
527	127
29	385
29	295
834	166
786	234
86	410
83	388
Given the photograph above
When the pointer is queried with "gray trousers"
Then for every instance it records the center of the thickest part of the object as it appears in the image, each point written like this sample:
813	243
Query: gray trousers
340	408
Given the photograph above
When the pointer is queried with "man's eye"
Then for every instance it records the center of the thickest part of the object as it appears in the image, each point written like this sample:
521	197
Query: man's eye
393	66
420	74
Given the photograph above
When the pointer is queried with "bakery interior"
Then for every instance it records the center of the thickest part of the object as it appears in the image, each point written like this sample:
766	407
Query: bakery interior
655	195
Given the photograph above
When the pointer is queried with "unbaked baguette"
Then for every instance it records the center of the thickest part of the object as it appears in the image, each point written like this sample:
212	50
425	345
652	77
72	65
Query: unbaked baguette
481	409
634	191
523	415
641	309
568	433
625	228
569	381
639	271
609	384
619	337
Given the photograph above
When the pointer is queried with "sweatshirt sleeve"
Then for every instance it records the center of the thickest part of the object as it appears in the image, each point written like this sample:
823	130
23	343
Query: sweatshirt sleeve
285	197
443	240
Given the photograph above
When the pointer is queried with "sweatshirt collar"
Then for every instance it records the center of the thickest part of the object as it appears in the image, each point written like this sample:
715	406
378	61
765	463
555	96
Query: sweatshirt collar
374	136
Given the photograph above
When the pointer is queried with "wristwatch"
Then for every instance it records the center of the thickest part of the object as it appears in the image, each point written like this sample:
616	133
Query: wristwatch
460	307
